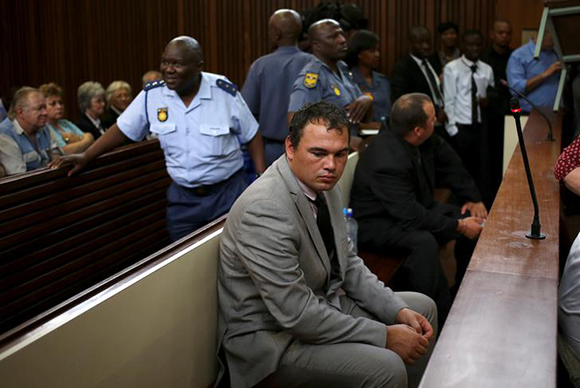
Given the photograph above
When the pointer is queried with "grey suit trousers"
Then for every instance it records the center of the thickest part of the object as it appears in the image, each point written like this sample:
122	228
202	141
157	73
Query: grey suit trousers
353	364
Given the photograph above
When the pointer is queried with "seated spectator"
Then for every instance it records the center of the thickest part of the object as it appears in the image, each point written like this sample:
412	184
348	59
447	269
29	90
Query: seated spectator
69	138
91	98
567	171
118	96
536	79
448	33
363	58
465	83
392	199
25	141
150	76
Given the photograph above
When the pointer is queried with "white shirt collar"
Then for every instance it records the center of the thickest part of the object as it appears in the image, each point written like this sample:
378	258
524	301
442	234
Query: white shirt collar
17	127
96	122
468	62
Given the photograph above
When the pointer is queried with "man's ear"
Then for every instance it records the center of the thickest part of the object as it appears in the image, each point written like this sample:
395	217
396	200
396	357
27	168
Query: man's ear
289	148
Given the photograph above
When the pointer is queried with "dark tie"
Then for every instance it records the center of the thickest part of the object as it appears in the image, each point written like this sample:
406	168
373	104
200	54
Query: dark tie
432	82
473	96
324	225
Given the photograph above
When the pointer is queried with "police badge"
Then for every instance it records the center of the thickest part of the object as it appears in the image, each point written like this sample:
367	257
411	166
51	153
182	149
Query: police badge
310	80
162	114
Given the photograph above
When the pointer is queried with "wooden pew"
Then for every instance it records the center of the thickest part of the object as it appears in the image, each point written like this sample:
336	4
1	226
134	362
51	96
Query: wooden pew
59	236
150	325
501	331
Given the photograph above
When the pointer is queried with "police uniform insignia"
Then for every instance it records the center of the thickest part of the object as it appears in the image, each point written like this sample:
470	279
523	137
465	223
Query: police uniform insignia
336	90
227	86
310	80
153	85
162	114
370	95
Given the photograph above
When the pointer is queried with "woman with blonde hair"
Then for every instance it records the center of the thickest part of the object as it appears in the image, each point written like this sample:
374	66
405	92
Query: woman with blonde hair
70	139
118	96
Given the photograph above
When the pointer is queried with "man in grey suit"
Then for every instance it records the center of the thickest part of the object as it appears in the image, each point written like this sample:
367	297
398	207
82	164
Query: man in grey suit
297	306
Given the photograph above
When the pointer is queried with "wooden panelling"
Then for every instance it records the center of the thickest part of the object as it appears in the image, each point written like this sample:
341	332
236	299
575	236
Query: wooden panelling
72	41
59	236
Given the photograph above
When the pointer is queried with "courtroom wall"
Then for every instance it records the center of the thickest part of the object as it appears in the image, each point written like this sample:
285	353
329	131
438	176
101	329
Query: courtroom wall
72	41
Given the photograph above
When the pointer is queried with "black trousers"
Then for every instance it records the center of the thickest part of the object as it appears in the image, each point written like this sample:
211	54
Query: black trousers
421	271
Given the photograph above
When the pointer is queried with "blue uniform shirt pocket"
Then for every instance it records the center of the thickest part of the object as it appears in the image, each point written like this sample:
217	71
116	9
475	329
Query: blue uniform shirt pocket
163	131
217	139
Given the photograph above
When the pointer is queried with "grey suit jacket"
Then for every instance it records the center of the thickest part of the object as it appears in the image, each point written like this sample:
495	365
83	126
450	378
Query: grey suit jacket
274	284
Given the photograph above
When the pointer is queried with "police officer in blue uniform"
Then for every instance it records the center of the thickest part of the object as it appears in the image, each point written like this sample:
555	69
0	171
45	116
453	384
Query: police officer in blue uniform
200	120
270	79
326	77
363	58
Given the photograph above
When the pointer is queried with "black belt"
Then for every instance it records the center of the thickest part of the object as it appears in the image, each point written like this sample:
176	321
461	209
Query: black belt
203	191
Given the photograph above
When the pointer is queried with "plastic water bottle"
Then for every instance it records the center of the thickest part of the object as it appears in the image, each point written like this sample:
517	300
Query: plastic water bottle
351	227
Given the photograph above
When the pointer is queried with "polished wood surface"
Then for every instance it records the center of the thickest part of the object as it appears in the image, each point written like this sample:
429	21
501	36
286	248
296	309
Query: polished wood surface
501	331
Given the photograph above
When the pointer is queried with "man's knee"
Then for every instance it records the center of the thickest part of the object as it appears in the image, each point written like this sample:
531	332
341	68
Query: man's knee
422	304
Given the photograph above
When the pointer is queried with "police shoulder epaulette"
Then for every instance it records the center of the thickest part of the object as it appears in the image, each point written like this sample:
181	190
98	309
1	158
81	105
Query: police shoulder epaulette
153	85
227	86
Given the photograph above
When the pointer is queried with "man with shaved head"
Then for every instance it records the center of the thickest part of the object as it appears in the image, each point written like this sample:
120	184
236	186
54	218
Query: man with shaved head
326	77
200	120
270	79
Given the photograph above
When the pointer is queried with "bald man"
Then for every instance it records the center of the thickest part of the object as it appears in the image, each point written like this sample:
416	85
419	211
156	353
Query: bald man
326	77
200	120
270	79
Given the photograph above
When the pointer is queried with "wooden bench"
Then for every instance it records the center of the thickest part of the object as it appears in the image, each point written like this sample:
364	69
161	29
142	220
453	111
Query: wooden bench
502	327
151	325
60	235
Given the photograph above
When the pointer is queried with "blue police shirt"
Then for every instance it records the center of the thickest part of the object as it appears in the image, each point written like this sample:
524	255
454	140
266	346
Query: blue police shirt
522	66
30	156
379	92
317	82
201	142
268	86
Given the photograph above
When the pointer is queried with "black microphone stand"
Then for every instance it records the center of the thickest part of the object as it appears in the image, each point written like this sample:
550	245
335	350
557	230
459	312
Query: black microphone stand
550	132
535	233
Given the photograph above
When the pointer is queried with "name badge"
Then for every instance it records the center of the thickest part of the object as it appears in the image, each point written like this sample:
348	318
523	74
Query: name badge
214	130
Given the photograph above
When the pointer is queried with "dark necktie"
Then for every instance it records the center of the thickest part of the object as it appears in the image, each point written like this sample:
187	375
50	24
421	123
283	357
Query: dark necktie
324	225
432	82
473	96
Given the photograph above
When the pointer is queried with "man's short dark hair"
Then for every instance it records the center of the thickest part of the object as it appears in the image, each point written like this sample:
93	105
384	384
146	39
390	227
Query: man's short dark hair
408	112
442	27
326	113
472	32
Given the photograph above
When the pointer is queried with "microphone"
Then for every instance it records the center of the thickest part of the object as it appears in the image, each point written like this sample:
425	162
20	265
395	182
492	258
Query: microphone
550	133
535	233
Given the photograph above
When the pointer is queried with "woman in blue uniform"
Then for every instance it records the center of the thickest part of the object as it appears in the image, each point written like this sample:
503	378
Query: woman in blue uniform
363	59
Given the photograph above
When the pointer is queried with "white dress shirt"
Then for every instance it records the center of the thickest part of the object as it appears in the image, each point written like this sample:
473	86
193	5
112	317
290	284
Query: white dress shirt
457	90
435	76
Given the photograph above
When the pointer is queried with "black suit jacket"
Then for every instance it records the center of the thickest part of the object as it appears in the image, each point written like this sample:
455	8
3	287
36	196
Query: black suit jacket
109	118
86	125
407	77
392	191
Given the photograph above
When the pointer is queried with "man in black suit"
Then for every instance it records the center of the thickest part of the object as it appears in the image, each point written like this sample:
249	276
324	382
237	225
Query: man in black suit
392	199
415	74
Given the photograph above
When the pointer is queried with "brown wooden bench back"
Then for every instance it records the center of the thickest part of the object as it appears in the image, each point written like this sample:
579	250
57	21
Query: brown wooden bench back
60	235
